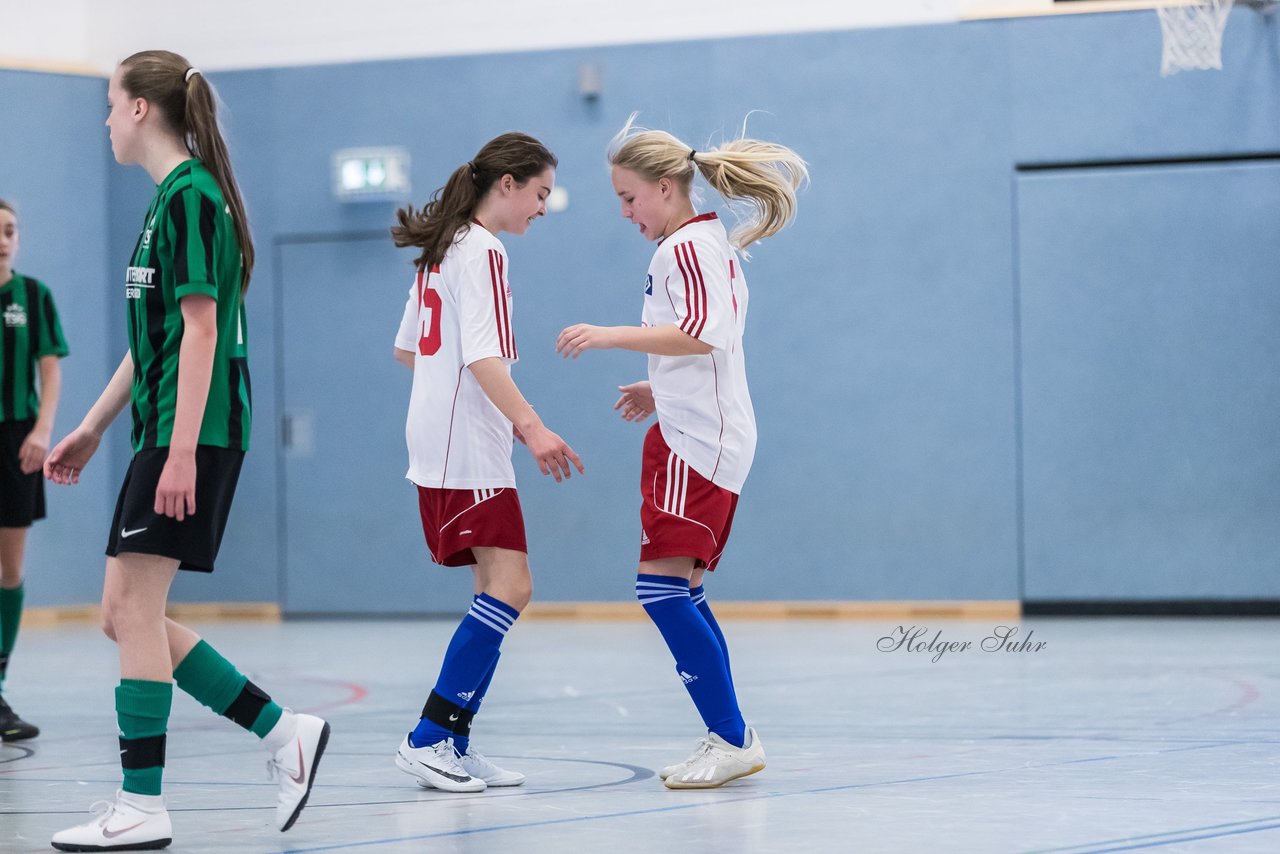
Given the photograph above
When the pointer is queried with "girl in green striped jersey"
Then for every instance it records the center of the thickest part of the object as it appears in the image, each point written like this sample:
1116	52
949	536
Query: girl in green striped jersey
186	382
31	341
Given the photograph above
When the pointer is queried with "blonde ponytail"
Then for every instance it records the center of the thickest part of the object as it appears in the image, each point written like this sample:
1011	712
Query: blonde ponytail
763	174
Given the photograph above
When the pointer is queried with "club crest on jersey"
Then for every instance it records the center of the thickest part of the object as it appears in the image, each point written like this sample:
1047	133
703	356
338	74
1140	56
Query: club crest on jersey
648	286
15	315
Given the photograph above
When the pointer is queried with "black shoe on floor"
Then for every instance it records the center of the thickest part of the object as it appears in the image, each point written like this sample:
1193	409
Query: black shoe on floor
12	727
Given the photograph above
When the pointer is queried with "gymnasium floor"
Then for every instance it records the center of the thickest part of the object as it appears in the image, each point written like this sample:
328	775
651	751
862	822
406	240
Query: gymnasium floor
1117	735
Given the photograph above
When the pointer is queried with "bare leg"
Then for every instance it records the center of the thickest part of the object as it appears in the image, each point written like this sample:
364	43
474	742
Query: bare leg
13	546
504	575
134	596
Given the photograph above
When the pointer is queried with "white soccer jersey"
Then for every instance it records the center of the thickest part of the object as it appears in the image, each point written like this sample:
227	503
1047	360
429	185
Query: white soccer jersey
457	314
695	282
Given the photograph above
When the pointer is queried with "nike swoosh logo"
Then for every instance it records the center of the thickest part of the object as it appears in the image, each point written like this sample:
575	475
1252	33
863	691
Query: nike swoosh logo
453	717
112	834
456	778
301	776
125	534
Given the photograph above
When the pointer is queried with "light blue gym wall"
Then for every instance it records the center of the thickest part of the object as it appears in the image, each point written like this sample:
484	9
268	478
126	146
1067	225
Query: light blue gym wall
885	345
54	166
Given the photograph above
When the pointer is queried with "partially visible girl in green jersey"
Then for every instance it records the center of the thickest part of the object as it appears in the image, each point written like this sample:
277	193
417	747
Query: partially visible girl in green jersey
186	382
31	343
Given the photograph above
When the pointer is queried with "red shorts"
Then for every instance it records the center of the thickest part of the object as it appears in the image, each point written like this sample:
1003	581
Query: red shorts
456	520
683	514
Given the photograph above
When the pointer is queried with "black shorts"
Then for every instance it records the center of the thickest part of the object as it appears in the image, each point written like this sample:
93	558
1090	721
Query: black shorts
194	541
21	495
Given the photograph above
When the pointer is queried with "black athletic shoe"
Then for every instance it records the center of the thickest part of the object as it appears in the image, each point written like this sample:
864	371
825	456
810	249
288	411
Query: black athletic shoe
12	727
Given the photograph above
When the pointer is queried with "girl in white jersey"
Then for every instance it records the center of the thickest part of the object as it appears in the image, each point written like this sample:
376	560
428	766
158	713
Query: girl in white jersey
697	456
464	411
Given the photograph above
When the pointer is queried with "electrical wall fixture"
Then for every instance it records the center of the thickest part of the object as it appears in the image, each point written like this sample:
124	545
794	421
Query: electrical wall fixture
590	81
371	174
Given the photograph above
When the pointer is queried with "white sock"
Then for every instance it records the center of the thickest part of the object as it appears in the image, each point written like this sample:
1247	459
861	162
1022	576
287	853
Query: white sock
282	733
143	803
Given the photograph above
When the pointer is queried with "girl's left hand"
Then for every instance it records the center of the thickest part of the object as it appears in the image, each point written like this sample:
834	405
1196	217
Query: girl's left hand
584	336
176	491
34	449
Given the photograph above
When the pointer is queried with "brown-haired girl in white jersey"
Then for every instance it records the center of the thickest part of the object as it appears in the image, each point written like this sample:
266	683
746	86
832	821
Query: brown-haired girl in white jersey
697	456
457	336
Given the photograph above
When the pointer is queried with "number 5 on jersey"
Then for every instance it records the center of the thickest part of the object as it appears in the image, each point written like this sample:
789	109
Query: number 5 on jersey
429	299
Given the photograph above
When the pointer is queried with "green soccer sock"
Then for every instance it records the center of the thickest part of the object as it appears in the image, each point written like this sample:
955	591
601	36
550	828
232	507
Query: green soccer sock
10	618
142	710
215	682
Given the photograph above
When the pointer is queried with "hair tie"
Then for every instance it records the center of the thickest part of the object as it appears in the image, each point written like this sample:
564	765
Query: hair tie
475	173
692	152
191	72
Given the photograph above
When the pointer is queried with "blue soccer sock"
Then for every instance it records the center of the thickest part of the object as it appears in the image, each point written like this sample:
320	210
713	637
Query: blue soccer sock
699	597
462	729
699	659
468	663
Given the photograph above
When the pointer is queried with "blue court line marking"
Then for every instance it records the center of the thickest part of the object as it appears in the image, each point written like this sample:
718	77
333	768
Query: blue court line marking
679	807
22	751
637	774
1174	840
1155	836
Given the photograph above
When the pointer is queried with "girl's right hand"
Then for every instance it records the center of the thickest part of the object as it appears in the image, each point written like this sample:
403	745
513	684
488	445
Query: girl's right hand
636	402
70	456
552	453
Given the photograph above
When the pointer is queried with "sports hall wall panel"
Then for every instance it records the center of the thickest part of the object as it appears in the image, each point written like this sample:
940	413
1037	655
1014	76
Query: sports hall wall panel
882	342
54	169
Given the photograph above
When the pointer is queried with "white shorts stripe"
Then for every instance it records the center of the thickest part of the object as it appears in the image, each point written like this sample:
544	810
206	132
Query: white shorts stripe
684	486
672	461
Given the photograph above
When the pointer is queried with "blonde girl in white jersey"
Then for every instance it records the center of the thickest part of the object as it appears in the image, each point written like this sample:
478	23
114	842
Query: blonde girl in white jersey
696	458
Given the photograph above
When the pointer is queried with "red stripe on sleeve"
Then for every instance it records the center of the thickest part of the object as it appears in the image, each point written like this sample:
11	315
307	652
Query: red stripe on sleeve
702	290
690	321
498	300
506	309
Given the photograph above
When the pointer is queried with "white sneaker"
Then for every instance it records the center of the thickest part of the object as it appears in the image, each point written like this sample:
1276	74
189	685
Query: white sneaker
131	823
703	744
479	765
719	763
293	767
437	767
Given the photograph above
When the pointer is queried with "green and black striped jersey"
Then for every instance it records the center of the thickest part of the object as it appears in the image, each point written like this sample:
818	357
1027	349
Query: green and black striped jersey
31	332
188	246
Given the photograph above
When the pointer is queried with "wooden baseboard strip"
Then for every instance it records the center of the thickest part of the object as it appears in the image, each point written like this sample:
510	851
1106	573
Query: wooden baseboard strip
203	612
815	610
193	612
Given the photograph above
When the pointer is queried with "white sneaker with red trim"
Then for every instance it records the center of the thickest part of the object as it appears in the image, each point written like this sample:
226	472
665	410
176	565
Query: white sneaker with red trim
293	767
129	823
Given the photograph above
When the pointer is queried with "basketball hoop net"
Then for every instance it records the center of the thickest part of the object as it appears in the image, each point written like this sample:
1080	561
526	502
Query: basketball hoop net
1192	32
1192	35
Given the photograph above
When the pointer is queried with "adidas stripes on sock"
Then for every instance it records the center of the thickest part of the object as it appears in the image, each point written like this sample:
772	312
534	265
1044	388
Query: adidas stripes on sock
468	665
699	660
214	682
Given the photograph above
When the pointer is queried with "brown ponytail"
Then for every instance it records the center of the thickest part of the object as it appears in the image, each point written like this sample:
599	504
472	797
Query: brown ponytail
452	207
189	105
